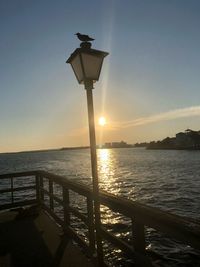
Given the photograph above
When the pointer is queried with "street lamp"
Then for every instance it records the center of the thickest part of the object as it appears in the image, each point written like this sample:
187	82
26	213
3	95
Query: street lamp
86	64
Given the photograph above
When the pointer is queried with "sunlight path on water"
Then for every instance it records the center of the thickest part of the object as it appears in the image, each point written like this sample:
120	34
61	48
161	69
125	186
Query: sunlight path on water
107	168
108	182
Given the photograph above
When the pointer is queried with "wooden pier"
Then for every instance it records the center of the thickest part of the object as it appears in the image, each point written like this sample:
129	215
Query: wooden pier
42	193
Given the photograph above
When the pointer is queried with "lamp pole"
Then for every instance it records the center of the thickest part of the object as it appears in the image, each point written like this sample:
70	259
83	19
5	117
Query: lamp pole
95	180
86	64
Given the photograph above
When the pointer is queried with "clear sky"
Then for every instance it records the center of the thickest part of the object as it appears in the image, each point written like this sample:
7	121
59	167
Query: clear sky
149	85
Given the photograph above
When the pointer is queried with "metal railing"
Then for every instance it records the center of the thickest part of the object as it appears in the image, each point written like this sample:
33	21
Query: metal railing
45	186
12	191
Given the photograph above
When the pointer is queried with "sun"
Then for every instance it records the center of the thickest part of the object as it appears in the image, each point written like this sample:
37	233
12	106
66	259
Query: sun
102	121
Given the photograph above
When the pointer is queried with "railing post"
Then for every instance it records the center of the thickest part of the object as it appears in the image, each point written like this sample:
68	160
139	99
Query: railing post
51	194
37	184
66	206
138	235
41	190
12	196
91	228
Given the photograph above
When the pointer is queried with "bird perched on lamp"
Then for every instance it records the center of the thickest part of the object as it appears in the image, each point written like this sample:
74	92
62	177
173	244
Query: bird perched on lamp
84	37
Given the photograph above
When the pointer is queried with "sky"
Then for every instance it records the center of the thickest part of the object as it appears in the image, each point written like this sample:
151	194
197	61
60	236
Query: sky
149	84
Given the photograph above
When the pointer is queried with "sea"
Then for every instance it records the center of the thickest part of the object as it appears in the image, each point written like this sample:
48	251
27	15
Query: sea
166	179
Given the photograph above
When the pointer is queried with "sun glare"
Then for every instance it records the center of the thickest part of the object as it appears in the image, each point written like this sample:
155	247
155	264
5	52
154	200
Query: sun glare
102	121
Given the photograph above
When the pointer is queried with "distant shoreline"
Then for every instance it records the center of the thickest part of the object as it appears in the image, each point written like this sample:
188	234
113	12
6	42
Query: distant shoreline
74	148
61	149
45	150
170	148
87	147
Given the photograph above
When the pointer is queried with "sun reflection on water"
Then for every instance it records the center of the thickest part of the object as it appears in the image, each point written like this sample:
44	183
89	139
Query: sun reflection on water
108	182
107	170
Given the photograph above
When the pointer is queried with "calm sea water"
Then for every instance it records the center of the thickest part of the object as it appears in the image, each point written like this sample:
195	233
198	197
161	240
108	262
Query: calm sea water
167	179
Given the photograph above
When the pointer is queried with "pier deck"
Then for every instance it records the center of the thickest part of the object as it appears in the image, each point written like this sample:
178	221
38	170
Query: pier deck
29	238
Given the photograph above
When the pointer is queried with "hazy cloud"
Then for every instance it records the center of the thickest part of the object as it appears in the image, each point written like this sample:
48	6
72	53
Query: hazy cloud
169	115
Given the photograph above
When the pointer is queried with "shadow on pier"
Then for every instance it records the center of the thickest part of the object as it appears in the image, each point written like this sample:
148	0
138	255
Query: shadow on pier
29	238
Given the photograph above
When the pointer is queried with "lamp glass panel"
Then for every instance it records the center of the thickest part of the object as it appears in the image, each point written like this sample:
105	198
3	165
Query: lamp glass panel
76	65
92	66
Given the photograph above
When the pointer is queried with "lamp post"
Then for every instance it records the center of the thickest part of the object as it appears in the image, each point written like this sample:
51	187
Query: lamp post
86	64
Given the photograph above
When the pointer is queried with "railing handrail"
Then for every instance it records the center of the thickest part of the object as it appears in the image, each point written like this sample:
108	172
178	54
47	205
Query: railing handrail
19	174
149	216
73	185
174	225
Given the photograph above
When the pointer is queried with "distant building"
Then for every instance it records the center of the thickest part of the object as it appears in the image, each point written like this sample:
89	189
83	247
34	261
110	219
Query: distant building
184	140
189	138
121	144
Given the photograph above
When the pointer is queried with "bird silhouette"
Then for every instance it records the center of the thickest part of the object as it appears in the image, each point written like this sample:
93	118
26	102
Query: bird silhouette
84	37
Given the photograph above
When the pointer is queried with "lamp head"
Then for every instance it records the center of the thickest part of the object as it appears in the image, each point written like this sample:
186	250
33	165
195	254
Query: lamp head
86	63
